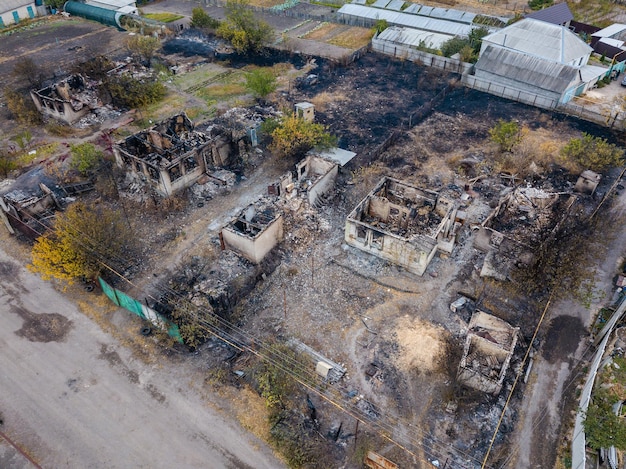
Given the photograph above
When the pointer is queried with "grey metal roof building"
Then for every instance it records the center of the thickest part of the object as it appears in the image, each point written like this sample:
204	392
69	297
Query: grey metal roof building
547	41
556	14
363	13
413	37
525	71
614	31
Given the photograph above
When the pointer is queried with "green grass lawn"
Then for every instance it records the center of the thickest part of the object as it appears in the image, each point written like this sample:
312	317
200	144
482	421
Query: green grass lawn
163	17
197	77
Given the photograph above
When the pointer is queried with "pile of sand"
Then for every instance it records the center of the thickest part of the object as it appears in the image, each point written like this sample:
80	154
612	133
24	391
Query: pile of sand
421	344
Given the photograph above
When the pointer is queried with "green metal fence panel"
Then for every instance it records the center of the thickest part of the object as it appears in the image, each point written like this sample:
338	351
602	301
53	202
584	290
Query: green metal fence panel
130	304
123	300
108	291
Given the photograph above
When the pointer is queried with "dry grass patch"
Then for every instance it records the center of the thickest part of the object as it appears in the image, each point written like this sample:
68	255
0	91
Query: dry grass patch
265	3
172	104
217	93
252	413
323	100
354	38
321	32
536	153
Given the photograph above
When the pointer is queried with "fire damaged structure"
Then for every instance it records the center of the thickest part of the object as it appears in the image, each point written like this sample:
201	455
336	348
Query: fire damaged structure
255	231
521	221
489	346
28	203
403	224
67	100
171	155
315	177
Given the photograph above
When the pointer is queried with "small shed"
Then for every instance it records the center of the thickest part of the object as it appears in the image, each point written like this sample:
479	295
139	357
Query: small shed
305	111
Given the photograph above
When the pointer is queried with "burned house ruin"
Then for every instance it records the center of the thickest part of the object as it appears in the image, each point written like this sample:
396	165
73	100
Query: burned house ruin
315	177
520	222
171	155
403	224
67	100
255	231
489	346
29	203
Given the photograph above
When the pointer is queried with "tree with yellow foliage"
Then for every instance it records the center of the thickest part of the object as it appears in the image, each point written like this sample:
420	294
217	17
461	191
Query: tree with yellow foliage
294	137
82	239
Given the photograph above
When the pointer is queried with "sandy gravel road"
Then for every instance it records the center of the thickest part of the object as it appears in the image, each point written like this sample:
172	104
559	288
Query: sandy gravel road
71	396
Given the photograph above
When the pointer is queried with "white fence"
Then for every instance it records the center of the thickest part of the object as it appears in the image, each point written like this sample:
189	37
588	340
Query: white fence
514	94
612	119
615	120
423	58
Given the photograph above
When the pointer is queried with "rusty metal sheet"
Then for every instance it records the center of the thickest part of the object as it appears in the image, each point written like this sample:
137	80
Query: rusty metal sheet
376	461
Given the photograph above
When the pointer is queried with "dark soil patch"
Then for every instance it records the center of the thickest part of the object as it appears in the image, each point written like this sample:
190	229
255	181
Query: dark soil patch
381	92
8	270
488	108
45	327
56	45
116	362
562	337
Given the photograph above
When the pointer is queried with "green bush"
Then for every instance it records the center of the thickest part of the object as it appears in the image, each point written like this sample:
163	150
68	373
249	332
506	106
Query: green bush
380	26
245	32
592	152
603	428
506	134
261	82
200	19
453	46
539	4
85	158
127	91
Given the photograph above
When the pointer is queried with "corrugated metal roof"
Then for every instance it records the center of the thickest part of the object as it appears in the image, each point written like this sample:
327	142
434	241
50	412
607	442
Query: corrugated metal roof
612	42
113	4
556	14
448	14
545	40
413	37
526	69
10	5
452	15
395	5
590	72
405	19
413	8
612	30
380	3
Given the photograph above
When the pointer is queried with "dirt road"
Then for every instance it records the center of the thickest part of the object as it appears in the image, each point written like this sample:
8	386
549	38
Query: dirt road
71	396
